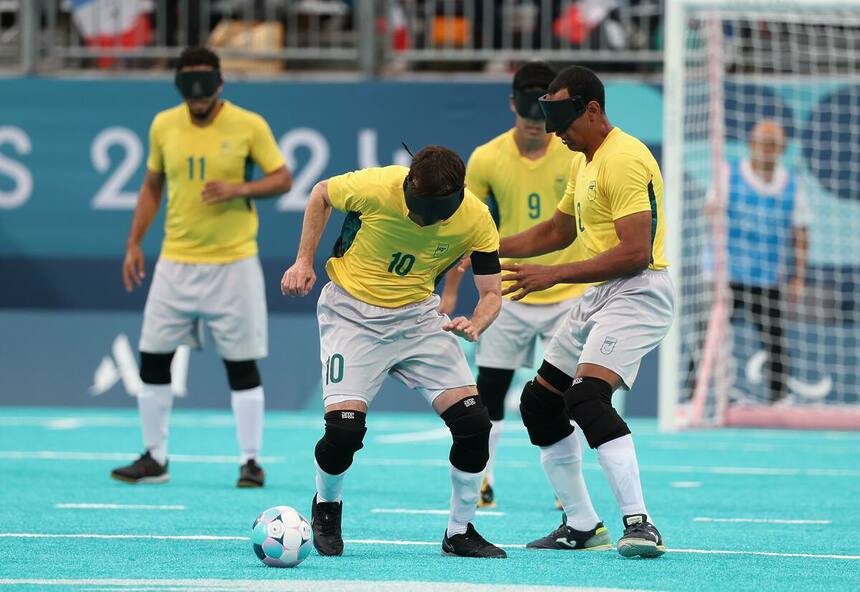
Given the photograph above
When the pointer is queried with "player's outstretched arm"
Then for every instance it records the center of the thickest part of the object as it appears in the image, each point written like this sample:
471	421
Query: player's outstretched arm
300	278
275	183
148	202
488	280
548	236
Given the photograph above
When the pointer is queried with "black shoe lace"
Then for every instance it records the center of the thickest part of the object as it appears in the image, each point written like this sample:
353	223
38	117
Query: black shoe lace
641	529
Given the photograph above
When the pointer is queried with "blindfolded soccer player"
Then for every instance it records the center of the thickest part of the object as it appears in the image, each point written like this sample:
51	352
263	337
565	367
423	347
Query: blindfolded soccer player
613	207
378	315
208	270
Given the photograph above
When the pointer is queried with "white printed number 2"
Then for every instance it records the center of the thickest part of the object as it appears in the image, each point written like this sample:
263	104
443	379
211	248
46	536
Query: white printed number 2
112	196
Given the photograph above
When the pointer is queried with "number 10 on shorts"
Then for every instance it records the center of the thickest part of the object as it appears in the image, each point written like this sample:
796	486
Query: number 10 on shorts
334	369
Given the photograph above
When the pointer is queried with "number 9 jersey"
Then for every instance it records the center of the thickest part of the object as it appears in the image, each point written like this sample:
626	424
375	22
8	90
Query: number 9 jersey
382	256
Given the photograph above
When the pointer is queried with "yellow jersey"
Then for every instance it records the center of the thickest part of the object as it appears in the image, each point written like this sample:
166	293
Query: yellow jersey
189	156
622	178
385	259
525	192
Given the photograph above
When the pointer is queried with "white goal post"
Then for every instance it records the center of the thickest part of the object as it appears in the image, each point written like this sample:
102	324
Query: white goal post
761	163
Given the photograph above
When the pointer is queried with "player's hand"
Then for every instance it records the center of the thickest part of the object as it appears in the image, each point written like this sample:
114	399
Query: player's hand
463	327
464	264
527	279
215	192
132	267
796	288
299	279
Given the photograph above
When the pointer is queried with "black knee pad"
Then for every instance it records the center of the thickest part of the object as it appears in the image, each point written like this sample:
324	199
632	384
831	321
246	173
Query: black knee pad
544	415
493	385
589	402
469	423
344	432
242	375
555	377
155	368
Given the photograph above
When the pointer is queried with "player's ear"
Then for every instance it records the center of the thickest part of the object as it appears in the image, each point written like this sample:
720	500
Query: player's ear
511	104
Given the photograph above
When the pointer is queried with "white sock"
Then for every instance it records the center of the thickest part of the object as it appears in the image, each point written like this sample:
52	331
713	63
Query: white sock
329	487
248	407
465	489
618	459
495	436
154	403
562	463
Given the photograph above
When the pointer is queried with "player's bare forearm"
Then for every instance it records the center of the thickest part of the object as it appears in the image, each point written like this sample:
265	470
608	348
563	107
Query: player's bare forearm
316	217
489	300
452	283
548	236
148	202
275	183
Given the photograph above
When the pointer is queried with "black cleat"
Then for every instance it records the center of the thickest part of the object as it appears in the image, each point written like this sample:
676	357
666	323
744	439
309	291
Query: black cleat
567	538
487	498
251	475
325	521
144	470
470	544
641	538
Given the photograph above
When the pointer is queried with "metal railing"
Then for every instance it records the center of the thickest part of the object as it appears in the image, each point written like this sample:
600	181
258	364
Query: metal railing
269	36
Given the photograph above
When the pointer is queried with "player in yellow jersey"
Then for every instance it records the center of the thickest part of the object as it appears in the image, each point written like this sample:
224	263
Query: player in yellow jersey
208	270
522	173
613	207
378	316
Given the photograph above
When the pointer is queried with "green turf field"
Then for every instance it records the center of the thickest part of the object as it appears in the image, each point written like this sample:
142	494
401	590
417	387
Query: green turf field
739	510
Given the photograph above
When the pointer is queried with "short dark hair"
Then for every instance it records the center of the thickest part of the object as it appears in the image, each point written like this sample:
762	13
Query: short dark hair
582	82
536	74
437	171
198	56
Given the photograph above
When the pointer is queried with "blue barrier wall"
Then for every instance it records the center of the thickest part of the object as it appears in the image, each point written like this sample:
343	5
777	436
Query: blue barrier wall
72	156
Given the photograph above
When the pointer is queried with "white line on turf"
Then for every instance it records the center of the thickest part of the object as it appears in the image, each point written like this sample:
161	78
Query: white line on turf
205	537
411	462
118	507
300	585
685	484
760	520
434	512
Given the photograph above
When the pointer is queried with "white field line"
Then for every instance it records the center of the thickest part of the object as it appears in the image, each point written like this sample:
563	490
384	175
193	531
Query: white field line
433	512
118	507
441	462
685	484
202	537
760	521
292	585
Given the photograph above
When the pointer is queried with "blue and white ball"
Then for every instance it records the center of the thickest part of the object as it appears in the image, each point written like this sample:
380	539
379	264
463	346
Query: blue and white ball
281	537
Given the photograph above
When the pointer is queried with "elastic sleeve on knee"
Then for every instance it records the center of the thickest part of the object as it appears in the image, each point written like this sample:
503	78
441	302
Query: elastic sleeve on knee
469	423
344	433
544	415
554	377
155	368
589	402
243	374
493	385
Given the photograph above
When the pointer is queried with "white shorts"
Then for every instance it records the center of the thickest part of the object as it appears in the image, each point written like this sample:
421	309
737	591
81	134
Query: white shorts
360	344
230	298
511	341
615	324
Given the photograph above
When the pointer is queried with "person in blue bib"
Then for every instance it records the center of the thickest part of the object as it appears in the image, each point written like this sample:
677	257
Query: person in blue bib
767	226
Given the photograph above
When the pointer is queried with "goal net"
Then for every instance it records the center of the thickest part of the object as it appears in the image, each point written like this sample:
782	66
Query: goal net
762	162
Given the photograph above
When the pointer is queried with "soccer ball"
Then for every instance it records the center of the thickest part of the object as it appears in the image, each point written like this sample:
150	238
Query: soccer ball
281	537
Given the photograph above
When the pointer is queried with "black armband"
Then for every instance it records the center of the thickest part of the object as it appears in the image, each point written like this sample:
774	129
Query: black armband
485	263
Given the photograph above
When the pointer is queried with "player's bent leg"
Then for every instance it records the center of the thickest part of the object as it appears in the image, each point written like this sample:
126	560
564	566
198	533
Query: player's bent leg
589	402
247	400
154	402
466	416
344	434
542	408
493	385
